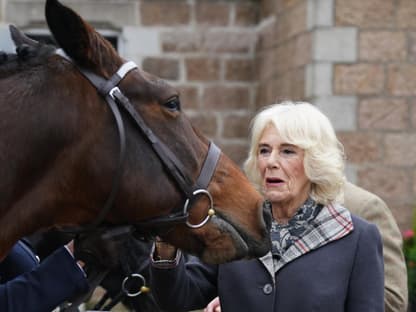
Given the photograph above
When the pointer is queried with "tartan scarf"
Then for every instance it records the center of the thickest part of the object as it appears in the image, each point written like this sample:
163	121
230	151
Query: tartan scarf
283	235
331	223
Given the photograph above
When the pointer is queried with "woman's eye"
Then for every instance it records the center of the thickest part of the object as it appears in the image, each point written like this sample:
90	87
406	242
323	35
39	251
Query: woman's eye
263	151
288	151
173	104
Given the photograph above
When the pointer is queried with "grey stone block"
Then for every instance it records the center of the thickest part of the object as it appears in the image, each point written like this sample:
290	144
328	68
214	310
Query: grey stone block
320	13
338	44
341	110
319	78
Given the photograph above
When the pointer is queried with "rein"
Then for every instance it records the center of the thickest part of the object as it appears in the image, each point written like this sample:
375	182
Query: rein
114	97
133	284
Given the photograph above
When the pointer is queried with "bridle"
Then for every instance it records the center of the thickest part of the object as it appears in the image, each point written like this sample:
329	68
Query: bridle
115	99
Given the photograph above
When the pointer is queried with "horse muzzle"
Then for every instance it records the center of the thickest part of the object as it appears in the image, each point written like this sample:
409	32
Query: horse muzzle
232	242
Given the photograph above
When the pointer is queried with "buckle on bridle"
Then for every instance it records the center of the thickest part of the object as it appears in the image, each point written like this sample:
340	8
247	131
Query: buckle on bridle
211	210
112	91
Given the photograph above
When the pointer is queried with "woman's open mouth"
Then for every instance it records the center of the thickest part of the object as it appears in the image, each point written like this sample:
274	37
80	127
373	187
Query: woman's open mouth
272	181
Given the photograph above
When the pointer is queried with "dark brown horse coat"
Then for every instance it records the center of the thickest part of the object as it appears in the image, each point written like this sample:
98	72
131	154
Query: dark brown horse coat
59	148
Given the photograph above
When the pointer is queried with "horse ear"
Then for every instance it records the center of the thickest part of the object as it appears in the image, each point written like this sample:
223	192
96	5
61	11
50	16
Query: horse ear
76	37
20	38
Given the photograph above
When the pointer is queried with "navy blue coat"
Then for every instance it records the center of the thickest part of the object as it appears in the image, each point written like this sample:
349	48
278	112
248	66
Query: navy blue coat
344	275
27	285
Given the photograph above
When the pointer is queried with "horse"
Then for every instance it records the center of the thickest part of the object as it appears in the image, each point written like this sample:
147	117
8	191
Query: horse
87	139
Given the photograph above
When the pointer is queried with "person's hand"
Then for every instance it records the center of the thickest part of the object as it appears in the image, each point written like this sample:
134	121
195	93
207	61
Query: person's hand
213	306
70	248
98	249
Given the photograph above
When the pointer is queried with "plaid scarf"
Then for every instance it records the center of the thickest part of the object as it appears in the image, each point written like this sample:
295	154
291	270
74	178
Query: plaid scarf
329	223
283	235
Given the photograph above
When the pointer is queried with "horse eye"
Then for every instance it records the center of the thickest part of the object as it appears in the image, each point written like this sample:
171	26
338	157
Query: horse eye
173	104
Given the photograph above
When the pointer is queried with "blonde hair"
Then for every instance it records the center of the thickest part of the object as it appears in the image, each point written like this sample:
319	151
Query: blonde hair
303	125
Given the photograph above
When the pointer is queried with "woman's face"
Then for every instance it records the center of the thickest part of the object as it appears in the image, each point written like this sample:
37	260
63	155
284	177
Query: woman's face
281	168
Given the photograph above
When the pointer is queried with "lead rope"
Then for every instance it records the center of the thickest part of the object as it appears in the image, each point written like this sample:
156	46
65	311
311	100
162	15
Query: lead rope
126	290
96	276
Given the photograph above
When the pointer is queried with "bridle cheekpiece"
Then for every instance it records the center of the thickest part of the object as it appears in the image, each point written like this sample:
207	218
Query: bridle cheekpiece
115	98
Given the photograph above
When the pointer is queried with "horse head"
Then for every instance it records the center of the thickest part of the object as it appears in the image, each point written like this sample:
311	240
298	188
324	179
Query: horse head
63	146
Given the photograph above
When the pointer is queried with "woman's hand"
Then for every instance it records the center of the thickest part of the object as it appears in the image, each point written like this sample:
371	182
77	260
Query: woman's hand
213	306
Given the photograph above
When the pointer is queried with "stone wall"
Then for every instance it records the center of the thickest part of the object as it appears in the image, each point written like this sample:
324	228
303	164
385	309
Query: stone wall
354	59
204	48
382	146
283	51
212	52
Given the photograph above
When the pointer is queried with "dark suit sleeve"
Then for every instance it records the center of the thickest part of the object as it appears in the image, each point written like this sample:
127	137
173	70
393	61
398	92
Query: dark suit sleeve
55	280
20	259
366	286
189	285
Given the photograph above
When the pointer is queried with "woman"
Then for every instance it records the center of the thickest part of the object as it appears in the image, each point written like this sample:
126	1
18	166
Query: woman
322	258
373	209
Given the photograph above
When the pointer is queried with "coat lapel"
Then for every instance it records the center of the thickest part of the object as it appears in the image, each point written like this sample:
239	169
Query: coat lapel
332	223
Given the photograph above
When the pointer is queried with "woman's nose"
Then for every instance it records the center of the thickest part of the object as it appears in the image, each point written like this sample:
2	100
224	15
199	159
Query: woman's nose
273	160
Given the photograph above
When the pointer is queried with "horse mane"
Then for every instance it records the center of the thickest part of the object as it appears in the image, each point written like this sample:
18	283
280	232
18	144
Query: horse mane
26	56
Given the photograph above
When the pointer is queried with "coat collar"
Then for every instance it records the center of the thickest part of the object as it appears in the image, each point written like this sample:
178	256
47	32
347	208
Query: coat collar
332	223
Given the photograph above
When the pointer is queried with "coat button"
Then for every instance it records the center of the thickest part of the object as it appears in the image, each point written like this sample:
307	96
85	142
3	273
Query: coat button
267	289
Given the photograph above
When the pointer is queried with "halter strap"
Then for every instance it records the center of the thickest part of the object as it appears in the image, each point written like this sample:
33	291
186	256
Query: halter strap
208	169
114	97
